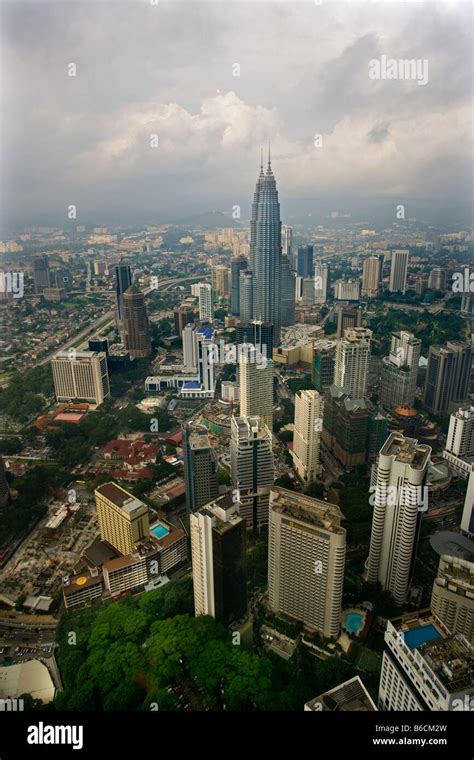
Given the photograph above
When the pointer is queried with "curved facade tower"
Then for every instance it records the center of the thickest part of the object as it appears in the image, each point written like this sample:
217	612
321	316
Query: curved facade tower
265	251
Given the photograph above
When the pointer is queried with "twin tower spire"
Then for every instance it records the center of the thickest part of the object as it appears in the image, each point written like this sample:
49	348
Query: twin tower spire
269	166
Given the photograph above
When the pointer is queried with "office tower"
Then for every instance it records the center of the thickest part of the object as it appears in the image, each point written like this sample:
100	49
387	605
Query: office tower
260	334
189	346
350	696
218	558
80	376
255	385
123	280
252	468
345	427
323	367
298	288
304	262
467	520
400	370
347	290
205	355
136	329
425	667
61	278
437	279
347	316
307	435
459	451
398	481
421	284
287	293
100	345
371	277
4	490
265	248
307	291
123	519
220	282
205	302
287	240
237	266
306	556
452	598
41	274
200	468
352	361
320	283
447	376
247	290
183	316
398	271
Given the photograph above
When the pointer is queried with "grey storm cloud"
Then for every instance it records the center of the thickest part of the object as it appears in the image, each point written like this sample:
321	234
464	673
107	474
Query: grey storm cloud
168	70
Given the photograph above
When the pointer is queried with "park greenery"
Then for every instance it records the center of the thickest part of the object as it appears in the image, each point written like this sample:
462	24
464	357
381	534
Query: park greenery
27	393
431	328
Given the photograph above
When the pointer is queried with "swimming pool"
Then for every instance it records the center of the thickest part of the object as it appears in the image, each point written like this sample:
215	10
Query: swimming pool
415	637
159	530
353	622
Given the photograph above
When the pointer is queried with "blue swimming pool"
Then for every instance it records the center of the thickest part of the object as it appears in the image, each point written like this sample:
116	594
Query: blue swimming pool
159	530
353	622
415	637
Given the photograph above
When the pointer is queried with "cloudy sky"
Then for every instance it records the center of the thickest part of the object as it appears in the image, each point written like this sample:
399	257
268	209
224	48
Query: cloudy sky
167	69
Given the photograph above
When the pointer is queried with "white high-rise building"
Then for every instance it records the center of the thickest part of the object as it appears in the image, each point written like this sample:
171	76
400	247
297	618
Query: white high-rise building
81	376
399	494
398	271
320	283
205	301
252	468
400	370
459	451
467	520
287	240
371	277
307	434
347	290
255	384
424	667
452	598
352	361
306	558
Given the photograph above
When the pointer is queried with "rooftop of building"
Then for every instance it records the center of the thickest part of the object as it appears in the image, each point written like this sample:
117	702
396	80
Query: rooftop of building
453	544
406	450
348	696
225	512
82	581
456	572
306	509
75	354
120	497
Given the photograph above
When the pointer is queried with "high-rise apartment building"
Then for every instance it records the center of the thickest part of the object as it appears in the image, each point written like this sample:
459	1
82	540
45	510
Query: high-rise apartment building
287	240
306	557
80	376
323	367
398	271
123	519
136	328
307	434
371	277
123	280
399	371
255	384
459	451
265	250
398	487
205	302
320	283
448	376
200	468
452	599
424	667
237	265
41	274
352	361
220	281
252	468
218	558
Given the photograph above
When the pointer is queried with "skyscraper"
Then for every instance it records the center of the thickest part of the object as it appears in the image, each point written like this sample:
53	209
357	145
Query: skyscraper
306	557
255	384
287	240
459	451
200	468
41	274
307	434
237	265
80	376
123	519
347	316
252	468
352	361
205	302
136	329
220	281
123	280
467	520
323	367
447	376
304	263
246	288
183	316
437	279
265	249
398	486
320	283
399	371
218	558
260	334
398	271
452	599
371	277
287	293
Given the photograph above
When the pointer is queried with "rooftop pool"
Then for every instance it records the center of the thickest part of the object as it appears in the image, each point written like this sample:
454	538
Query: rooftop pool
353	622
159	530
415	637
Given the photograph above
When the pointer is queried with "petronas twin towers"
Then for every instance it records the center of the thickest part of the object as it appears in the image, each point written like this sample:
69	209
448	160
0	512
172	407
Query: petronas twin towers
265	251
